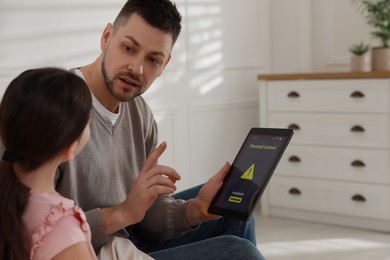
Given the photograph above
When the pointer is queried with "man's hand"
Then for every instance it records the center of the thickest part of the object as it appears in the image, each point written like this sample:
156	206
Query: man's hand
197	208
152	181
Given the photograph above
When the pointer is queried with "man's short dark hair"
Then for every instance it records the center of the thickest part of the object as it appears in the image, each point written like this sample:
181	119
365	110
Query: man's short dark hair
161	14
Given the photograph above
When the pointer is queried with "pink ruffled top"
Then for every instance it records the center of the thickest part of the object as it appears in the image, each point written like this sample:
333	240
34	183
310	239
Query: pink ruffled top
54	223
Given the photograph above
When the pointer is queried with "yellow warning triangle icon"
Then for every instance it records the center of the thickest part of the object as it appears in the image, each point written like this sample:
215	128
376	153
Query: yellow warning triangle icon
248	174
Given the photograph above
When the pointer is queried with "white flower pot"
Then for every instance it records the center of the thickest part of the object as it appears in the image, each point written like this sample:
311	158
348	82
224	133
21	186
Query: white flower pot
380	58
360	62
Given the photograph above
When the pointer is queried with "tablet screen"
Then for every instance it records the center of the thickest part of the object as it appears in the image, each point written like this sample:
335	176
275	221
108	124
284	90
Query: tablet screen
250	172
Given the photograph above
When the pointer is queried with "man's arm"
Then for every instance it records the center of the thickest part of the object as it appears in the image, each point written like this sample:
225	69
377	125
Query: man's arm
153	181
168	217
164	220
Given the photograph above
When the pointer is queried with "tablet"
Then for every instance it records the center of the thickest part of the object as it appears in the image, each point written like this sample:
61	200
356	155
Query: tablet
250	172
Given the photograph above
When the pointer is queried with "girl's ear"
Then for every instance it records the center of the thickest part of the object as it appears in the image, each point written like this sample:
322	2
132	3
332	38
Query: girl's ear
70	152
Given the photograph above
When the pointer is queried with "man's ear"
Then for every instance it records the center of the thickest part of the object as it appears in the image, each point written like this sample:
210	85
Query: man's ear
104	40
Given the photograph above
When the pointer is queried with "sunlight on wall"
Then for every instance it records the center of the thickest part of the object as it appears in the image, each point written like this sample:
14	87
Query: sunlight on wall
207	81
198	51
50	33
207	87
205	38
316	247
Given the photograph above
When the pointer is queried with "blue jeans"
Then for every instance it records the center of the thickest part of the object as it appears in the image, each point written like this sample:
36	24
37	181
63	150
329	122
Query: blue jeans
223	238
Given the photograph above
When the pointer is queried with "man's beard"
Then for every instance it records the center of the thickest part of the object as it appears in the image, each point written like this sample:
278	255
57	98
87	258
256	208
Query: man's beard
110	84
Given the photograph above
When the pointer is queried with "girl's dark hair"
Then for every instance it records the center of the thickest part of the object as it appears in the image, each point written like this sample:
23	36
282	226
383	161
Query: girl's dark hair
161	14
42	112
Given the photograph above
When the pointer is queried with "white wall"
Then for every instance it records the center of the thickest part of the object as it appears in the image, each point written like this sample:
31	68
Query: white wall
315	35
36	33
206	100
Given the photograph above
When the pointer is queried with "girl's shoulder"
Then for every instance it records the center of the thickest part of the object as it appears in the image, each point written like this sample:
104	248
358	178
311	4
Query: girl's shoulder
49	216
40	204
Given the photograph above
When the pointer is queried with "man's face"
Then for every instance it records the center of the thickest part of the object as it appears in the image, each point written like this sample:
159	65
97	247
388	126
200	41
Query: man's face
133	57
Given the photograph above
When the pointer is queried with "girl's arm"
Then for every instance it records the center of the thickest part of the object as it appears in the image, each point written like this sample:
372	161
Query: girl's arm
76	251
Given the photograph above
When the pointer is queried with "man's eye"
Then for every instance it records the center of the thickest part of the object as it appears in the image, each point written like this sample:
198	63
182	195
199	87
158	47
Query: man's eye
156	61
127	48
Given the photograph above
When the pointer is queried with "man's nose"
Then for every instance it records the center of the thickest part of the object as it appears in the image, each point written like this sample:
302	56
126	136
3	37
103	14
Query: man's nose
136	67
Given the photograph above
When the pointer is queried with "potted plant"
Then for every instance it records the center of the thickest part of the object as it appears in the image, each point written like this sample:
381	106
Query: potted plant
377	14
360	60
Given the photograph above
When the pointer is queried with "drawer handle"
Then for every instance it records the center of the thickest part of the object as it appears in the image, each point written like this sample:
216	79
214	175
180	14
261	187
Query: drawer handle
358	198
293	94
294	159
357	129
295	191
358	163
357	94
294	126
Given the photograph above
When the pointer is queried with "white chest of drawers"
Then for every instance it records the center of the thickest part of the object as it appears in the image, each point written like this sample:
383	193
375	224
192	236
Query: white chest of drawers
336	168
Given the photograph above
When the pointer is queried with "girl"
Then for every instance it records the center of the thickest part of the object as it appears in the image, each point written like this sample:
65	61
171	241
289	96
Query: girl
44	121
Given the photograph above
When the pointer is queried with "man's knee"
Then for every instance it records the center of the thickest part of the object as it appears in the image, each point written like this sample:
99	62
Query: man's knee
242	248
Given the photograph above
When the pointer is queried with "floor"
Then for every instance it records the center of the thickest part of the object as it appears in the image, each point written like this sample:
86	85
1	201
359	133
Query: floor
282	239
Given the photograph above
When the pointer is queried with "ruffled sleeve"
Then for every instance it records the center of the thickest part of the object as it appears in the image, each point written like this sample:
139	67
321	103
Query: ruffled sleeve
64	226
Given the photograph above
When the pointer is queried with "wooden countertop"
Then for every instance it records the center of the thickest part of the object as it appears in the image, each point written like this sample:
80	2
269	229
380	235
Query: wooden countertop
332	75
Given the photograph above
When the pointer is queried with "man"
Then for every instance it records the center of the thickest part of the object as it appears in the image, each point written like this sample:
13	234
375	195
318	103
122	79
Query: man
116	179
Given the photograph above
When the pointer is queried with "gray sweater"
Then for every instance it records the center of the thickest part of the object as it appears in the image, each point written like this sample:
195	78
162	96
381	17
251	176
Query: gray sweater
104	172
